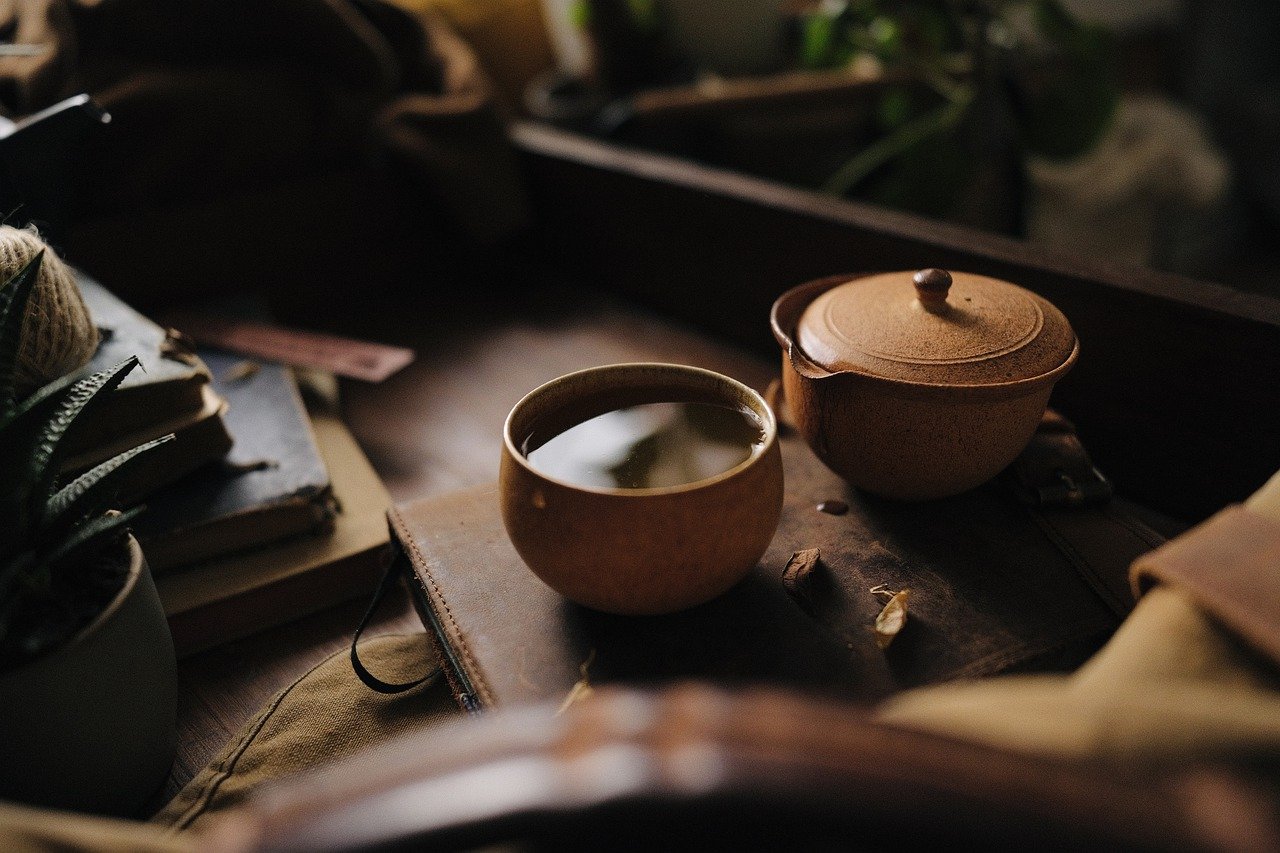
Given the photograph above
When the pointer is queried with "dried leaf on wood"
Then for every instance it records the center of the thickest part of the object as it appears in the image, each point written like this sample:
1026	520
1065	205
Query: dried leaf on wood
582	689
797	574
892	618
800	567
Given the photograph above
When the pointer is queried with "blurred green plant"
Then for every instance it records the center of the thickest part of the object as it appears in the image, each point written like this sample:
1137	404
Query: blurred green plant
643	13
963	71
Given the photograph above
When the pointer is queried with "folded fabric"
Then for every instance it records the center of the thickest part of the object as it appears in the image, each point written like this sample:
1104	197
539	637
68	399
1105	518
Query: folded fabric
30	830
1170	688
326	715
1193	675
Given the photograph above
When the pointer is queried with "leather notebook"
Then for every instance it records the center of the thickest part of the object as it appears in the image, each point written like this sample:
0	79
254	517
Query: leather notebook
1001	579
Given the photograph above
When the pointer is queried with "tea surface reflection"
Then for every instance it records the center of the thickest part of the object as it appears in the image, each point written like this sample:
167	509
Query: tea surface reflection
653	445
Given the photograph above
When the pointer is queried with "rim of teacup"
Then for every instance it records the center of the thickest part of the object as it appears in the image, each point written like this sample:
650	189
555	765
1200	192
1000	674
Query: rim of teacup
759	409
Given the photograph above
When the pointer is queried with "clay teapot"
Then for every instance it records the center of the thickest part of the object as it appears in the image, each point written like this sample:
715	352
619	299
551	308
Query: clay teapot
919	385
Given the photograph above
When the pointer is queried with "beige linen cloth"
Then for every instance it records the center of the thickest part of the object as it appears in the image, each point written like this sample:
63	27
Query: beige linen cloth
326	715
1175	684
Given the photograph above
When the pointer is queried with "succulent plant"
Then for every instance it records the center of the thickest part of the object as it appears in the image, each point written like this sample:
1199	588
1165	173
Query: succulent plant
59	541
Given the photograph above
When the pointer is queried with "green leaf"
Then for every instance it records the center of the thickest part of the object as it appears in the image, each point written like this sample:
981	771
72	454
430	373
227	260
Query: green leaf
85	395
886	37
14	295
893	145
817	38
31	449
89	539
18	437
39	404
19	503
92	492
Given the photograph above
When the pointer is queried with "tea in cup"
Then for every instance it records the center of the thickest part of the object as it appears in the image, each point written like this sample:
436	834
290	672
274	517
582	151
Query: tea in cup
641	488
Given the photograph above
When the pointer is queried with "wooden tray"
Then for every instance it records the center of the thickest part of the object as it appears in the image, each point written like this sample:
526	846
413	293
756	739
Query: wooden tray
1176	390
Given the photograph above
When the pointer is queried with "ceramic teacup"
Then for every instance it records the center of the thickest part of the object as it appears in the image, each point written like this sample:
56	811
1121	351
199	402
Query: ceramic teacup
638	550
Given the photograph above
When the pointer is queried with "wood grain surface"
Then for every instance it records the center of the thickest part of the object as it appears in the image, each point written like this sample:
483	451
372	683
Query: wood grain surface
1174	392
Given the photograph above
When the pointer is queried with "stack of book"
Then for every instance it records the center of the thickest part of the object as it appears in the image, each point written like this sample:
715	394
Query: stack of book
259	511
169	392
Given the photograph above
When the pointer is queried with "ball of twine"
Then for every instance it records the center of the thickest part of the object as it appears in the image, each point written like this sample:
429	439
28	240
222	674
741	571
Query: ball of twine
57	335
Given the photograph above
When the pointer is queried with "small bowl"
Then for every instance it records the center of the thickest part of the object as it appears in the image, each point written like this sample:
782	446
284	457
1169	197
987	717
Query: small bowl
638	551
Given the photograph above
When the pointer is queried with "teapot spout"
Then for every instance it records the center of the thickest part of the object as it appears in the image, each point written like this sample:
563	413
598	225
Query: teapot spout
805	366
786	313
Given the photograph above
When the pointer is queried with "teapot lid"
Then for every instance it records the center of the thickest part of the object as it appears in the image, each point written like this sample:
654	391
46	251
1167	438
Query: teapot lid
937	328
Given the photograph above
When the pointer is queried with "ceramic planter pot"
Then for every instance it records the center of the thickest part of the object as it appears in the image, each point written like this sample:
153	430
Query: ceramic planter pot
919	386
91	726
644	550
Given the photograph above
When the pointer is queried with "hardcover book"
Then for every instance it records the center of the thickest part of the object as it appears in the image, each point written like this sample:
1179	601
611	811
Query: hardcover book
225	599
272	485
168	393
169	382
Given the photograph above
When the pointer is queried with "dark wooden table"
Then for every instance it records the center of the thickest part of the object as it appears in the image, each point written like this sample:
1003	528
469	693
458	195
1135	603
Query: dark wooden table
1174	391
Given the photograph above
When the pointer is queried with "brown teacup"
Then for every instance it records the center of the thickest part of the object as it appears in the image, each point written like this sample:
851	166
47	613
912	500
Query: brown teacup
639	549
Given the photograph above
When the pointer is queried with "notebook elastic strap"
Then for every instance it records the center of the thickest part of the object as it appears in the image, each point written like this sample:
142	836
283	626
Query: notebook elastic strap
389	578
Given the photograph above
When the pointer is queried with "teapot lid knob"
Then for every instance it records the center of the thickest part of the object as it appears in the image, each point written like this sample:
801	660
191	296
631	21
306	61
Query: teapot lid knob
931	287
